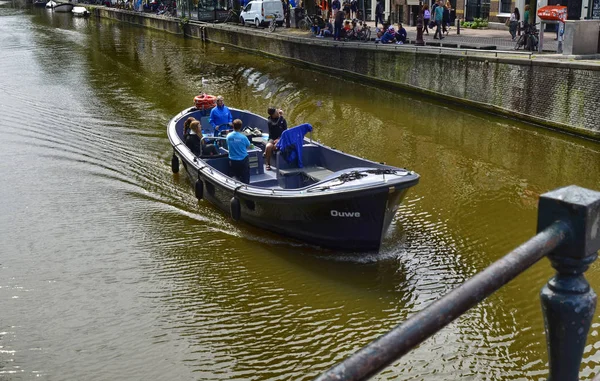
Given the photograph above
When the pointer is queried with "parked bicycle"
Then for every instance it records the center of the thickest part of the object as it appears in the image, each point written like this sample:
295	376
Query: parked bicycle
529	39
362	32
306	23
273	22
232	16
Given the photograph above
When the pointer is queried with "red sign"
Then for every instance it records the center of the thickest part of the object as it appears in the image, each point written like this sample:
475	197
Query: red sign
553	12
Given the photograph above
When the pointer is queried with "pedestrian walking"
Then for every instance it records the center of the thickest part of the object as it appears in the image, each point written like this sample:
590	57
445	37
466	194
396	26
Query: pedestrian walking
439	17
446	17
335	7
378	13
426	18
512	26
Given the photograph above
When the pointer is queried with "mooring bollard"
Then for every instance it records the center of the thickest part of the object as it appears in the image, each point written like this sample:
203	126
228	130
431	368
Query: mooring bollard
568	302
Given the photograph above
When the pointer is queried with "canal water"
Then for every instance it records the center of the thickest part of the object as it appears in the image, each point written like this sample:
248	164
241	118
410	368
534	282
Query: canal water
111	269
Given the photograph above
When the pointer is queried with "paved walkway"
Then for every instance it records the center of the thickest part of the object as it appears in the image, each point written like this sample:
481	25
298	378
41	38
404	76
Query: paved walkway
475	38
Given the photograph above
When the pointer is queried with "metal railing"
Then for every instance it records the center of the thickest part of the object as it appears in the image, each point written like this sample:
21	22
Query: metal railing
569	235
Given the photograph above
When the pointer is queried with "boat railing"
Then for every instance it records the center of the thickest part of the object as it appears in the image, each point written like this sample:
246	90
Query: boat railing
569	235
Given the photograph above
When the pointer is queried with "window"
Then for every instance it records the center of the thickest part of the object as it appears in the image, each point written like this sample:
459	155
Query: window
505	6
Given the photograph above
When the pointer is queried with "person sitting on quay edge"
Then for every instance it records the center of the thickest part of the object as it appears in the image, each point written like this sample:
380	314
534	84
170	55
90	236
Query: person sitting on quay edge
194	141
219	115
401	34
314	29
389	36
238	143
327	31
277	124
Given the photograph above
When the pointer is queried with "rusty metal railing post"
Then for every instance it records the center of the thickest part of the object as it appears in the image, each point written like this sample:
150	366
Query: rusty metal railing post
568	302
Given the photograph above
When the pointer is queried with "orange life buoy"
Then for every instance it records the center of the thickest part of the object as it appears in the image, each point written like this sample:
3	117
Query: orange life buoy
205	101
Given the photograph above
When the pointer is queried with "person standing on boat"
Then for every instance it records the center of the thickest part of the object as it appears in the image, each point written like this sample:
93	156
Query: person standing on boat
238	143
220	115
277	124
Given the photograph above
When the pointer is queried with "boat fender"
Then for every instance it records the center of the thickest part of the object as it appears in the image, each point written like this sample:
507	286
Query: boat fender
175	163
199	189
234	208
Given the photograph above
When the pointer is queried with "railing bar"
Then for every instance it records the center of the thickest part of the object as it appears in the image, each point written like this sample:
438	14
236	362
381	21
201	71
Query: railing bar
380	353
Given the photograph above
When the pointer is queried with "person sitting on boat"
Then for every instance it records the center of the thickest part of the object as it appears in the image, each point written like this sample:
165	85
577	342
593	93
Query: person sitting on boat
195	144
277	124
220	115
186	127
238	143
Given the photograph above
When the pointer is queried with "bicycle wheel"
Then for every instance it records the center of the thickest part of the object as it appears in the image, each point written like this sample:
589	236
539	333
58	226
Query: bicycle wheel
530	45
303	25
366	35
520	41
272	26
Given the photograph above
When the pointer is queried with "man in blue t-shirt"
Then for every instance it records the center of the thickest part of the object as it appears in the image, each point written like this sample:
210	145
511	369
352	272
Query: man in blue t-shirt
237	144
219	115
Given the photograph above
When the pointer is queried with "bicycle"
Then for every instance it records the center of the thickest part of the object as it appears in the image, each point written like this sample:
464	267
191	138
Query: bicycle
305	23
529	39
273	23
233	16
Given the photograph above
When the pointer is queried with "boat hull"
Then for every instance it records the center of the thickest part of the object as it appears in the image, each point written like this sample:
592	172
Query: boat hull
65	7
350	221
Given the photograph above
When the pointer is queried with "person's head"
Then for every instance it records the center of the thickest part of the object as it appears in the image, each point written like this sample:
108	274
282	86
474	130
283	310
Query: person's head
425	6
186	124
527	7
448	5
195	126
399	25
271	110
220	101
516	11
237	125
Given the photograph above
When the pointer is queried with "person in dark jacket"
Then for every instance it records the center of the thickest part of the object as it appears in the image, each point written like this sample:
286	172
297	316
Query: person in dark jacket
335	7
194	142
276	124
378	13
338	25
401	34
446	18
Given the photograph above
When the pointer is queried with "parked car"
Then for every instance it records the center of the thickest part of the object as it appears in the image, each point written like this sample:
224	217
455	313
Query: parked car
260	12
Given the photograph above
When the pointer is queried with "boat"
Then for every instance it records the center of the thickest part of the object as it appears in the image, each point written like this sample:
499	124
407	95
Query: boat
63	7
332	199
50	4
80	11
40	3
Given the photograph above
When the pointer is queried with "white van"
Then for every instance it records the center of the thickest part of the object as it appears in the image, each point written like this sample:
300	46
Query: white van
260	12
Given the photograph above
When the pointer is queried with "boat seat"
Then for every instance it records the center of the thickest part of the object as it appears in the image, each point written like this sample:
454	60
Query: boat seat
315	173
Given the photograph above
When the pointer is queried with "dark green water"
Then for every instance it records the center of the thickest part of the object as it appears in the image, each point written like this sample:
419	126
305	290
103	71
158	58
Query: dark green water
111	270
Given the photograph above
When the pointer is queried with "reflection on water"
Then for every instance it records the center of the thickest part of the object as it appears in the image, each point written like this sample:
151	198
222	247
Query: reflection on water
112	269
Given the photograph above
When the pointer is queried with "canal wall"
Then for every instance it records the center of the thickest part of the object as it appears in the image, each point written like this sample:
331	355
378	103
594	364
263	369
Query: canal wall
556	94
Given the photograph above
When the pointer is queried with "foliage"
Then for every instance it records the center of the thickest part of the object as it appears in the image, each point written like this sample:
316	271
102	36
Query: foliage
183	22
475	24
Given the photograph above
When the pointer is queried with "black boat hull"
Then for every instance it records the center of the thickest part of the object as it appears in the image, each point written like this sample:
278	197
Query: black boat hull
352	221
